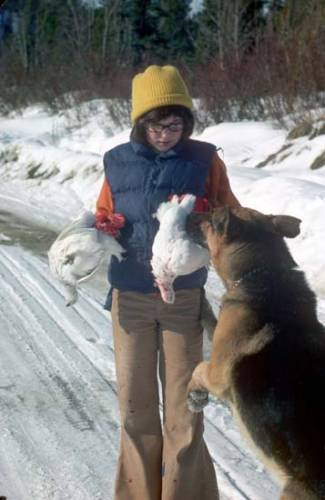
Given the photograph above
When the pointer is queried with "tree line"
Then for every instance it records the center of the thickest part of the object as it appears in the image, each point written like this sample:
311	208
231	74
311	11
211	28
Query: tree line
236	54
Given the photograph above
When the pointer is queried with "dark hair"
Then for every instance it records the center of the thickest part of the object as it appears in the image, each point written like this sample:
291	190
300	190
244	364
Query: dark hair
138	132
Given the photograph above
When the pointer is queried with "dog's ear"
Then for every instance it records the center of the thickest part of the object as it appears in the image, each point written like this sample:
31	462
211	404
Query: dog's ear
286	225
219	220
225	223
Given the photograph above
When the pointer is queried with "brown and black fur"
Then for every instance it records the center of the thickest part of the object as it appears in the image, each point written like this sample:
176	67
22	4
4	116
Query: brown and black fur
268	357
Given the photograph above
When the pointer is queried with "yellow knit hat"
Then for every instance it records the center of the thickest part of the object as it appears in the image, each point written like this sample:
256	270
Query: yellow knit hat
158	86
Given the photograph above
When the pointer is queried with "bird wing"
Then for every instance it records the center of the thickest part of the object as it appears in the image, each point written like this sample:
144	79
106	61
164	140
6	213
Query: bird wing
75	256
188	257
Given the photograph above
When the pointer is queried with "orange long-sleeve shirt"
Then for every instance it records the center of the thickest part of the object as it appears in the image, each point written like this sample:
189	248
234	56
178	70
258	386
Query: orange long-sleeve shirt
217	190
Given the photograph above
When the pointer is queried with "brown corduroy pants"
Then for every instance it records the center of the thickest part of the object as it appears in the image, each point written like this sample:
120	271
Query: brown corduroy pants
168	460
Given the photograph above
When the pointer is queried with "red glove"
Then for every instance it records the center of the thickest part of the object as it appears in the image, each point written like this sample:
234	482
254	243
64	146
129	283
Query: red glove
109	224
201	204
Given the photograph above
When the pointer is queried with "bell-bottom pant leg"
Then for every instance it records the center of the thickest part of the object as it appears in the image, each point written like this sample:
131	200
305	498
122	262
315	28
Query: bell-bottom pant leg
136	351
188	471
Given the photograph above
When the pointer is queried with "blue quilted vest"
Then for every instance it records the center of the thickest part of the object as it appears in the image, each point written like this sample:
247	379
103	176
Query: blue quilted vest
140	179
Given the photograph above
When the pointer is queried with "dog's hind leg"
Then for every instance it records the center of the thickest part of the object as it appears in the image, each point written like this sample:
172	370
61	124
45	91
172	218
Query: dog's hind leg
301	490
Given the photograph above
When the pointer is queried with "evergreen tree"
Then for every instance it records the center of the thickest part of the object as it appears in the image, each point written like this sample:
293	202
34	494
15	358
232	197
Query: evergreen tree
156	30
252	21
209	31
175	27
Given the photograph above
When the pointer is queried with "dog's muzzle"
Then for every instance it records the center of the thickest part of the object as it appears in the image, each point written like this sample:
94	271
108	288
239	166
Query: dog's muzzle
193	228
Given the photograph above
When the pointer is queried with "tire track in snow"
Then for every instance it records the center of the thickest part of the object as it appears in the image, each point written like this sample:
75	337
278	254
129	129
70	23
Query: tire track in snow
69	321
29	334
53	343
38	452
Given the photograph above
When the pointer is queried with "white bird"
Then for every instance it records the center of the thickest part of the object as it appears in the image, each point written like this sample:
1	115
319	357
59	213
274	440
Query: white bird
173	253
77	253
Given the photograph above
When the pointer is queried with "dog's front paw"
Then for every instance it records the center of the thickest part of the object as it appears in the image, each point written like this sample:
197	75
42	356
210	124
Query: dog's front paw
197	400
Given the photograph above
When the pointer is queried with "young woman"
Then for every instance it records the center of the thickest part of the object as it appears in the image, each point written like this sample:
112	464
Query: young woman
160	459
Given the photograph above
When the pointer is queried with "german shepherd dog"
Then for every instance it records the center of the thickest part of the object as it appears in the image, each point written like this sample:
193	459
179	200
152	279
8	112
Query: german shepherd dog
268	355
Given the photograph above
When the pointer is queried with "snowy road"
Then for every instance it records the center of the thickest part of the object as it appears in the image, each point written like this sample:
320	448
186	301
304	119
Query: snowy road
58	408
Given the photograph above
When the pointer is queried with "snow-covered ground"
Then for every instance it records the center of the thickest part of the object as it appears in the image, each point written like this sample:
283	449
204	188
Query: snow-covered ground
58	409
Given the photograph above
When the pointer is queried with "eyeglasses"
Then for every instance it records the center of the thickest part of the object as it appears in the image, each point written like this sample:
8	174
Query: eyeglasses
158	128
